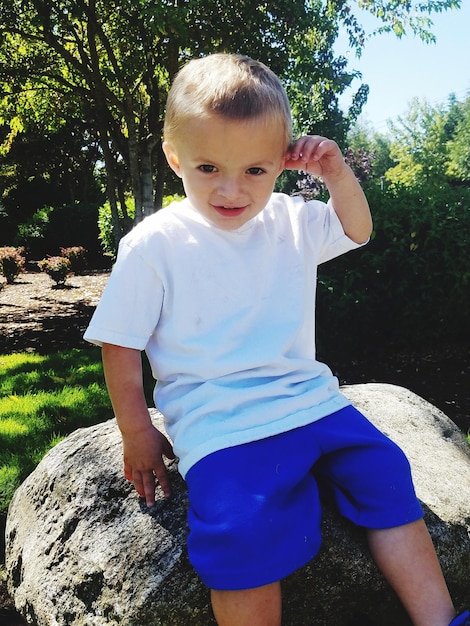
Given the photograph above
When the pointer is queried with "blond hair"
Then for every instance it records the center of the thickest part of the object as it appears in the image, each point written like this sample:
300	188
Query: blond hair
232	86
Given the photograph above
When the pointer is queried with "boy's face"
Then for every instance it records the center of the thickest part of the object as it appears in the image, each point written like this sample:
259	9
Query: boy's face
228	167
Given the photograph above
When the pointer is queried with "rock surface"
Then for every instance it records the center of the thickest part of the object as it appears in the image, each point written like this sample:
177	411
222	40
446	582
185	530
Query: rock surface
83	550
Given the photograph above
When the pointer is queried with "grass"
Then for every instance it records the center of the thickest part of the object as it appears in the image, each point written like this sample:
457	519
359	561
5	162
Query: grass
43	398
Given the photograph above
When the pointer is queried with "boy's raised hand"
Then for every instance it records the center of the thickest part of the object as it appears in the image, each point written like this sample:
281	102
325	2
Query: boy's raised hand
321	157
315	155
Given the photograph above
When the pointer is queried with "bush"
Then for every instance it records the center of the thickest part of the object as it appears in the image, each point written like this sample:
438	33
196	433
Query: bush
410	286
57	267
77	257
31	235
105	225
50	228
12	263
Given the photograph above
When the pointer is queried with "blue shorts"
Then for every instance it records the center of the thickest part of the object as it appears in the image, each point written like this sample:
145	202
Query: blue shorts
255	511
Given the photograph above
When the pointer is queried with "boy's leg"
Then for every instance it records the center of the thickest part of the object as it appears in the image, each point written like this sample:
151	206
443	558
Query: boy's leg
260	606
406	557
376	492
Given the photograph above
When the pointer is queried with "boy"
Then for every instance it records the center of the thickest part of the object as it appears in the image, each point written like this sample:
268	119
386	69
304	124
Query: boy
219	290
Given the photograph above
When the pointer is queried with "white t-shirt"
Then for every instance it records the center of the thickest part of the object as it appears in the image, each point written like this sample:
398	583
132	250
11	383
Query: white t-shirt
227	319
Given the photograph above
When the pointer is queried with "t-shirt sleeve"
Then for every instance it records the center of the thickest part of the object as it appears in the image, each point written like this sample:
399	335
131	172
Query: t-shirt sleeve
130	306
326	231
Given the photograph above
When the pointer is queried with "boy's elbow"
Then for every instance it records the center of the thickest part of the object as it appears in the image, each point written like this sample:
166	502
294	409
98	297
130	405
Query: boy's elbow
361	232
365	236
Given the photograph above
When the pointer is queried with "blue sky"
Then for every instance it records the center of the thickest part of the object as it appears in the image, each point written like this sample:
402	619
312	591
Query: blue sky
397	70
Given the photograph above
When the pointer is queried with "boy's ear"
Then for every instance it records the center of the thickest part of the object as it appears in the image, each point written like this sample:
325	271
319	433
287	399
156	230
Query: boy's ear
172	157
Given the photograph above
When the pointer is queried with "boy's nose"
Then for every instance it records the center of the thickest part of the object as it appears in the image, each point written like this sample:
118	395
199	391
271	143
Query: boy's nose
229	188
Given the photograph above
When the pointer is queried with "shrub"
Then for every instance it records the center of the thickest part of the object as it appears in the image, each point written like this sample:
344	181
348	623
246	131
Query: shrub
31	235
12	262
57	267
409	287
105	224
51	228
77	257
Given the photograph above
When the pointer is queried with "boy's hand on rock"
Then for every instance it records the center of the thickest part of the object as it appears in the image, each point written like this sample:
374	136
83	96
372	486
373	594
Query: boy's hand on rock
143	462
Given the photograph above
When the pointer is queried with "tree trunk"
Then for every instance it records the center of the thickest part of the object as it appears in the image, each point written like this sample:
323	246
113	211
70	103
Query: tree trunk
161	169
146	174
134	161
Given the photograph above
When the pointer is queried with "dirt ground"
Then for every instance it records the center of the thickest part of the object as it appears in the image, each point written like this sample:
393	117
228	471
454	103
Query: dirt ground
35	315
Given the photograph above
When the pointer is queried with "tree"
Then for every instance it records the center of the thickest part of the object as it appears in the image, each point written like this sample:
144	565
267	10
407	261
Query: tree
364	138
419	147
47	166
114	62
430	146
458	148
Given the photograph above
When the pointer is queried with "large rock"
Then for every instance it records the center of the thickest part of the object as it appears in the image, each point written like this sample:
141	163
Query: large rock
83	550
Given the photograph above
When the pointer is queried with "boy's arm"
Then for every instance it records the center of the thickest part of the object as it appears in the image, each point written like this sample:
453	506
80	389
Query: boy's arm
321	157
143	444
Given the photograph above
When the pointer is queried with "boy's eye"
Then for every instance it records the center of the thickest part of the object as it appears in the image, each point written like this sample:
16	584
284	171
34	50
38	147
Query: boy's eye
255	171
207	169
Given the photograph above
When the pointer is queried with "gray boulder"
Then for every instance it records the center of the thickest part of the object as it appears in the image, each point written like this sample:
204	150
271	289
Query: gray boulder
84	550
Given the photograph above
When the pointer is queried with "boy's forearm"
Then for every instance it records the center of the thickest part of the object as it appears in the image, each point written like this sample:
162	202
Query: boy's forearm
123	373
320	156
350	204
143	445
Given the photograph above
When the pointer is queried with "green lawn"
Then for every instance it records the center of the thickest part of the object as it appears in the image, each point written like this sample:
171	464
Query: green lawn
43	398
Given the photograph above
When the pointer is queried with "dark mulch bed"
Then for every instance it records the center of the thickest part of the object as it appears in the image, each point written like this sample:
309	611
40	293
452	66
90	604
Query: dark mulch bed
36	316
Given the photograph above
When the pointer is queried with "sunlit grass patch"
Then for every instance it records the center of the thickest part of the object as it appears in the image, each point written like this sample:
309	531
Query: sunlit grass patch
20	373
43	398
11	428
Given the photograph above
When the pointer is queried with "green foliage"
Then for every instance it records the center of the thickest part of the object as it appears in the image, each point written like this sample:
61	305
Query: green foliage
57	267
419	147
458	148
363	137
402	16
126	215
12	262
46	166
410	286
70	226
32	233
43	399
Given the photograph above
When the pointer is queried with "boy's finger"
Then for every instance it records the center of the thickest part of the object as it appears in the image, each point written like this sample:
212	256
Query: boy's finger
128	471
137	479
148	488
163	480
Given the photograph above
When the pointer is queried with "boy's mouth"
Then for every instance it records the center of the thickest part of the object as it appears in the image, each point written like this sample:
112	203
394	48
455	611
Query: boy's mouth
229	210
